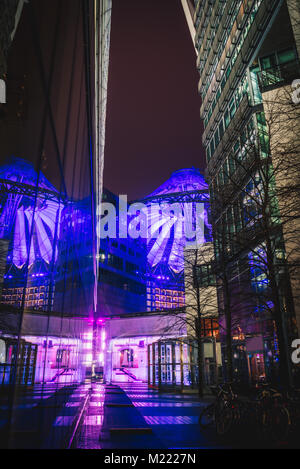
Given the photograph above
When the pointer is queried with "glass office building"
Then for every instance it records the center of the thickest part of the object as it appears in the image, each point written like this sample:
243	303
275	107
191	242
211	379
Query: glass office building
247	58
52	120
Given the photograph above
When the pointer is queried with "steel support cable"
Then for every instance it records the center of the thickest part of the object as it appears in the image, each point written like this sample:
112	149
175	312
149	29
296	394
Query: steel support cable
86	5
36	40
38	167
70	96
79	419
73	179
47	97
47	91
48	103
71	88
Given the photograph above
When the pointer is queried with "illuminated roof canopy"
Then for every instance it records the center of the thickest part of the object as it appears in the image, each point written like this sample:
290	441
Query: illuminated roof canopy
22	171
183	180
188	190
19	182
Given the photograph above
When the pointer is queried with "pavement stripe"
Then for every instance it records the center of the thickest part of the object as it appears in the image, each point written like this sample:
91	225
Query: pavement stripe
171	420
141	395
93	420
167	404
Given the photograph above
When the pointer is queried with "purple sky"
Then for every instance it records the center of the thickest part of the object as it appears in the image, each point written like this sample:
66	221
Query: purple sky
153	115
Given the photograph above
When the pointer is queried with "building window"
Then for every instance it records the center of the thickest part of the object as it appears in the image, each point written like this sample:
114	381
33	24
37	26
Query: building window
115	261
203	276
131	268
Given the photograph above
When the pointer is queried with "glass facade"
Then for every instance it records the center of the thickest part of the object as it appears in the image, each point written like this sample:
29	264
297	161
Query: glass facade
244	53
173	363
48	161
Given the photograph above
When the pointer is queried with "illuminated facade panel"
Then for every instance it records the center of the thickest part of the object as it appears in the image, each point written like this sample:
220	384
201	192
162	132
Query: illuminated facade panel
177	214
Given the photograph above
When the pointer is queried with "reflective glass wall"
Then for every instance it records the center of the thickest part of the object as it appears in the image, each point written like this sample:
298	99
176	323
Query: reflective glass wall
173	363
47	253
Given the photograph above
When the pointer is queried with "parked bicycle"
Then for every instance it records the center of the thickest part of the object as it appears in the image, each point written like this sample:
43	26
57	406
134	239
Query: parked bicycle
272	414
225	412
292	404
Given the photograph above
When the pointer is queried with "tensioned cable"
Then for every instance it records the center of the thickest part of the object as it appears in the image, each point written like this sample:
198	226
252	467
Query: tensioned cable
47	92
50	113
49	109
87	38
30	239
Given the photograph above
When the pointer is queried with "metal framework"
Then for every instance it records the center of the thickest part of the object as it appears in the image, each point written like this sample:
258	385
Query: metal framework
27	190
187	189
176	197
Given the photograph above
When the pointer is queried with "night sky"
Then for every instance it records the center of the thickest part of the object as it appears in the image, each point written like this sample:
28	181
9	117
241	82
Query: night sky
153	114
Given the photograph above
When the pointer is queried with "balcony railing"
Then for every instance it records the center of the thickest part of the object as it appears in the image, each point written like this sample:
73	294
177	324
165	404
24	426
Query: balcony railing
279	75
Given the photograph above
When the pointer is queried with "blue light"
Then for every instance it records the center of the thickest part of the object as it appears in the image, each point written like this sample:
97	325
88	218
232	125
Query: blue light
167	245
17	216
183	180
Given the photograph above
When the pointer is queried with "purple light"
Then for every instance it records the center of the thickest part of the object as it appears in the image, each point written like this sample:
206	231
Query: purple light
42	245
168	237
17	216
183	180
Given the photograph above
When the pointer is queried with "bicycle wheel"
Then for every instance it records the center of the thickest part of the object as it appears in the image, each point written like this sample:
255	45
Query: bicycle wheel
280	424
239	411
275	424
207	416
224	420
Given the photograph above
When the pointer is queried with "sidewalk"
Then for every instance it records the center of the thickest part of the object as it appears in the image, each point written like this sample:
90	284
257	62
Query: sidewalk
132	416
42	417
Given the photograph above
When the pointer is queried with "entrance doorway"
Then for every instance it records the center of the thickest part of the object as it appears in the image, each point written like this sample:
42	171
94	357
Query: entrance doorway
129	361
257	371
127	358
